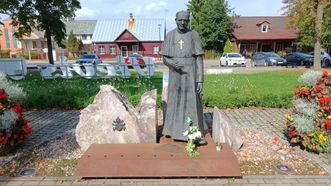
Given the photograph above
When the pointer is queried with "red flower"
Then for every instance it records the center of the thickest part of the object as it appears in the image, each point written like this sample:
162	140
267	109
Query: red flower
318	88
328	124
3	95
17	108
296	92
276	140
325	73
293	134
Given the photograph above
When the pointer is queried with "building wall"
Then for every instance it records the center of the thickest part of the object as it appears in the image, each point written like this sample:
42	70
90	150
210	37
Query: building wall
7	39
86	39
144	48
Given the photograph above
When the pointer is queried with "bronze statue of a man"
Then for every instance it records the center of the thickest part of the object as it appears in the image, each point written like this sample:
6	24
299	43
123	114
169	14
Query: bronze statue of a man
182	53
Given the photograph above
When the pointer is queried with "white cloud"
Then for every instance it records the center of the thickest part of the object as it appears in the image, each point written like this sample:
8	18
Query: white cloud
85	12
156	6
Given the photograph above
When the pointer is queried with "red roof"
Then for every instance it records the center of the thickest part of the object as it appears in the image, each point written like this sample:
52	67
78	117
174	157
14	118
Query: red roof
249	28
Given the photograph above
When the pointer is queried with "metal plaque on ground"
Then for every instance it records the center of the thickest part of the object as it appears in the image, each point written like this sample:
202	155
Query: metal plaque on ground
165	159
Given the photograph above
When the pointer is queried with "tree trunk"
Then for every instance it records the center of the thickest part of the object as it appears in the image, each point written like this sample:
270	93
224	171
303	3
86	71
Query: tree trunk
49	46
318	33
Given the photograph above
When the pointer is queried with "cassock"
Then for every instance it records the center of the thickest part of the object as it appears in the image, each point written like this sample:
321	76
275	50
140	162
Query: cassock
183	99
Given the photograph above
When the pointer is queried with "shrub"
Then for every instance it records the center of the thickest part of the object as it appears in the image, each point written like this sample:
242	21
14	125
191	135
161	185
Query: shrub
4	53
309	124
211	54
14	129
34	54
227	47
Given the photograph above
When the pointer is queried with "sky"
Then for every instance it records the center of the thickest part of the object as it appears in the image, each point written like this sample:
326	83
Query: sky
108	9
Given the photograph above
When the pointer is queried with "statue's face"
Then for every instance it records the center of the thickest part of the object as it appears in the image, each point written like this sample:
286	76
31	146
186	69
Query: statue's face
182	21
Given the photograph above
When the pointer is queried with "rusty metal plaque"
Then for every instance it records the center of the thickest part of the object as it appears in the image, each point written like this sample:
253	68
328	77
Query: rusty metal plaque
167	159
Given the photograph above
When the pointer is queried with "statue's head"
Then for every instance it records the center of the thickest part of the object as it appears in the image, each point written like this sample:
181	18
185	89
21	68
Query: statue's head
182	20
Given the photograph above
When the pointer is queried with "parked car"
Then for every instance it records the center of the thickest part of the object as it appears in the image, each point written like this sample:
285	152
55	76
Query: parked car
89	59
232	59
267	59
139	58
299	59
325	58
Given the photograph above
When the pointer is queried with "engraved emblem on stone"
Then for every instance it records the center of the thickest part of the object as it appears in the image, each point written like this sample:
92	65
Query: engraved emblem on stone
119	125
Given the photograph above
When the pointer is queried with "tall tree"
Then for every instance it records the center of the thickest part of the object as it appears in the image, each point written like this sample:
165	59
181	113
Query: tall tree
302	16
72	43
43	15
211	18
314	27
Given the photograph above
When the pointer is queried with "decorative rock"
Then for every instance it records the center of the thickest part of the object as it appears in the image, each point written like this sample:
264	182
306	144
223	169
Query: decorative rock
224	131
111	119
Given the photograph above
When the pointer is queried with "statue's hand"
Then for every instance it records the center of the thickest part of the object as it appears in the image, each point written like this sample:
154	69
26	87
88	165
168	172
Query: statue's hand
176	66
199	87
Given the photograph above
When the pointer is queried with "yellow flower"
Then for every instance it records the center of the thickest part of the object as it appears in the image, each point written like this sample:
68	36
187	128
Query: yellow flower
329	117
322	138
289	117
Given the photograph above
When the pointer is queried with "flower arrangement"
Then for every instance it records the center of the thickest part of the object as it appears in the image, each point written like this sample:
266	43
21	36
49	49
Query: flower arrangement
14	129
309	124
194	137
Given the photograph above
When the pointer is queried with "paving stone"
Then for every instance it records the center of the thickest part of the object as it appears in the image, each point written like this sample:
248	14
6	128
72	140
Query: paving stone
322	180
29	182
306	180
272	180
283	184
15	183
252	180
48	182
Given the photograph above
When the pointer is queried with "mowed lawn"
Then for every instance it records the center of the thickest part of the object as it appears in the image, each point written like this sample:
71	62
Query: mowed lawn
267	89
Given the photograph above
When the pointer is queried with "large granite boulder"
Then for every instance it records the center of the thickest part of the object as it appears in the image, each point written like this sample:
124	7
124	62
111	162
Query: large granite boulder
111	119
224	131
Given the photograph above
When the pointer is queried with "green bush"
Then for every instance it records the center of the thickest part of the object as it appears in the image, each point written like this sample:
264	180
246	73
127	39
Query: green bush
34	55
211	54
227	47
4	53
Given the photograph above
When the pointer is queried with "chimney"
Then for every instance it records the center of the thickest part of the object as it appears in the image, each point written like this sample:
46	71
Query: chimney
131	22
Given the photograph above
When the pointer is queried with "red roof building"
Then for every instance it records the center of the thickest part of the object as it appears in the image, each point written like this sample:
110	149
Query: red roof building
263	34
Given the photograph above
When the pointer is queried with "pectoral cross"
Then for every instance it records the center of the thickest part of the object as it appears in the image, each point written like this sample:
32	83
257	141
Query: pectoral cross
181	43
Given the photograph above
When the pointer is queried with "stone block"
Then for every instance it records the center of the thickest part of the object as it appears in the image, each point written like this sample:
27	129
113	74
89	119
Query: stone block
111	119
225	131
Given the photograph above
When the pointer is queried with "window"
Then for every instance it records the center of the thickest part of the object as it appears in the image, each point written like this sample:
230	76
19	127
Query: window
84	37
42	44
156	49
7	38
134	48
14	38
112	49
264	28
101	49
34	44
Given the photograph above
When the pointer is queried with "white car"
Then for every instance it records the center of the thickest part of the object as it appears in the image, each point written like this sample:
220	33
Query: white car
89	59
232	59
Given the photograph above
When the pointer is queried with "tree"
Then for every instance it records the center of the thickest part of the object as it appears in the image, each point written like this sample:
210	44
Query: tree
227	47
74	45
302	17
314	27
210	18
45	15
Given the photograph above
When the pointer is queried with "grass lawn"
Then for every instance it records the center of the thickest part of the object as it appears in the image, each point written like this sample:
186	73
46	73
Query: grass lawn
267	89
